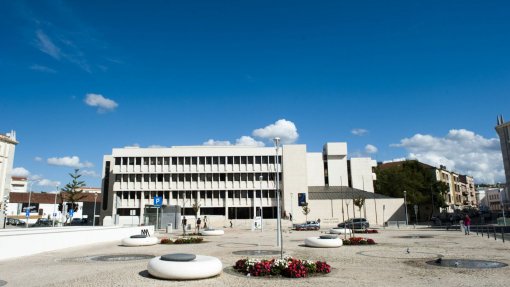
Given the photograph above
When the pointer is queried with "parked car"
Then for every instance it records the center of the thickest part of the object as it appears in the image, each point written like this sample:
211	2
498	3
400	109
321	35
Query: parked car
79	221
15	221
42	222
309	225
355	223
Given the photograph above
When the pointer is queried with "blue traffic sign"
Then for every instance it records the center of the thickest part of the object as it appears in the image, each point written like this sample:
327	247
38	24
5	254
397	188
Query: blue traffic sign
158	200
27	213
71	212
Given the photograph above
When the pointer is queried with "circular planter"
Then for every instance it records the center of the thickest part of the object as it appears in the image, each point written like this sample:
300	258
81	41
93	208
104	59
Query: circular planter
212	232
136	240
323	242
184	269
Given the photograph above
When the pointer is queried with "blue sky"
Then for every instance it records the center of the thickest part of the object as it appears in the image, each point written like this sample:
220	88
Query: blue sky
422	79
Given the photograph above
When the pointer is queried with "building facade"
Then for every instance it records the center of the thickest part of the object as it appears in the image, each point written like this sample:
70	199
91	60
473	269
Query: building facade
7	148
503	130
231	183
19	184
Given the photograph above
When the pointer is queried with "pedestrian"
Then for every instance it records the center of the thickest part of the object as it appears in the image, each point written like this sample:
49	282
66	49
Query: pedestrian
184	222
290	216
318	220
198	225
467	224
230	223
205	222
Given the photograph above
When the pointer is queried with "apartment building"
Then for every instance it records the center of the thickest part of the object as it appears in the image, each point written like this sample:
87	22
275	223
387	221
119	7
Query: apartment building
503	130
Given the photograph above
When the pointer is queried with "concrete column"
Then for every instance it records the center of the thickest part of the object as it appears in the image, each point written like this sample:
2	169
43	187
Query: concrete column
142	206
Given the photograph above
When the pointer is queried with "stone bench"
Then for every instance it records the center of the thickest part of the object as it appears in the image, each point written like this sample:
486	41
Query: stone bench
324	241
139	240
182	266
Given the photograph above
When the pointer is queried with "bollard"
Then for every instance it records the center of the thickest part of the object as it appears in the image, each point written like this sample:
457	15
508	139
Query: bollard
503	234
488	234
482	231
494	227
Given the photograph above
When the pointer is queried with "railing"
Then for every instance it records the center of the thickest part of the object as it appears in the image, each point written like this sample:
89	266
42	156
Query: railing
489	231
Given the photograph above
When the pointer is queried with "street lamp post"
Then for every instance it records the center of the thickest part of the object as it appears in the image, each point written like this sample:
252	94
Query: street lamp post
94	218
279	215
29	200
405	204
261	213
54	209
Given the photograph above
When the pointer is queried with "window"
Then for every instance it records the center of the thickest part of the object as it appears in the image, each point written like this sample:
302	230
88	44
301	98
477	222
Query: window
264	159
181	177
174	194
117	161
138	178
271	159
202	177
243	176
222	160
187	160
208	160
194	160
250	194
216	194
138	161
153	178
250	176
222	177
258	159
124	161
230	177
160	178
250	160
230	160
209	177
194	177
160	161
188	177
166	161
125	178
201	160
174	161
146	161
131	178
216	160
146	178
237	177
216	177
202	194
174	177
180	160
118	177
237	160
244	160
230	194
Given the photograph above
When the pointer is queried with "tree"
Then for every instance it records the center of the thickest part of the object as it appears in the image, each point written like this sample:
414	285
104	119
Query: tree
419	180
73	191
306	210
196	206
359	202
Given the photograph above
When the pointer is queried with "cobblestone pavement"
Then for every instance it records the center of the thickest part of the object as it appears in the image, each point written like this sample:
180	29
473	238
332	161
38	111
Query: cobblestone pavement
386	264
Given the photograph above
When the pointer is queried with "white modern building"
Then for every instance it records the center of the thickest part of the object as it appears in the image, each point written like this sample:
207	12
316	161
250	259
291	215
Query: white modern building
7	147
19	184
503	130
233	183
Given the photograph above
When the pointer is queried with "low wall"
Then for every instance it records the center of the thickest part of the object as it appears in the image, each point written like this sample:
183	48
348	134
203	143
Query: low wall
23	242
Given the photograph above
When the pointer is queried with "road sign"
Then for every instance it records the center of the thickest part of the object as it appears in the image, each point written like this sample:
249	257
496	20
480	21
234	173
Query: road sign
27	213
71	212
158	200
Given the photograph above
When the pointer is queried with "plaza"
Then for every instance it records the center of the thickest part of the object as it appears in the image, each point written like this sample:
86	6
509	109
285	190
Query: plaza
388	263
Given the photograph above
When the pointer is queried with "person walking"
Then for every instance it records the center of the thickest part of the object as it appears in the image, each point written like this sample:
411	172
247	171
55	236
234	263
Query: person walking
467	224
184	222
198	225
205	222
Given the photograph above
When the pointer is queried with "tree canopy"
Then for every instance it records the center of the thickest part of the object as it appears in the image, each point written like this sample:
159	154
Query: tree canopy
73	191
417	179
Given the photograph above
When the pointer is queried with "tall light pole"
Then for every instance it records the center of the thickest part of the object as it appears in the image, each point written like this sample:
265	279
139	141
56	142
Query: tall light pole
278	209
94	218
29	200
405	204
54	204
261	213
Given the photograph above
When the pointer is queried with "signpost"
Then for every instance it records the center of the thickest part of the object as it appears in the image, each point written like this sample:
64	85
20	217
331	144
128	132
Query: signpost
158	200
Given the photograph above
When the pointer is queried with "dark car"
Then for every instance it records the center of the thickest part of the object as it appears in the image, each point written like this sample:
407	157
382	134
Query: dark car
309	225
42	222
79	221
355	223
15	221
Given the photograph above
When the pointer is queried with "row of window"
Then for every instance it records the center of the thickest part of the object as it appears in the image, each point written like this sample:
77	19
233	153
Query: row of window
194	160
195	177
203	194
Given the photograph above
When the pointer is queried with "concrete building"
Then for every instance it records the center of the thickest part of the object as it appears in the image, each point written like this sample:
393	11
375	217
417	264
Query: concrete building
503	130
237	183
7	147
19	184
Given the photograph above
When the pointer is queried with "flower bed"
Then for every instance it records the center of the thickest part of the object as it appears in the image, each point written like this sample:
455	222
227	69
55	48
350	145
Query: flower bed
186	240
368	231
287	267
358	241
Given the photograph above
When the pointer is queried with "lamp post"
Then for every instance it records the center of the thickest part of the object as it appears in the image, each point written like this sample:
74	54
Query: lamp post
29	200
405	204
54	205
261	213
279	215
94	219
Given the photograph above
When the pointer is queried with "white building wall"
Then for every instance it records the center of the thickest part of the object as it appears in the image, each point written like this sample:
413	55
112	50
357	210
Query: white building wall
19	185
295	178
362	176
7	148
336	157
315	169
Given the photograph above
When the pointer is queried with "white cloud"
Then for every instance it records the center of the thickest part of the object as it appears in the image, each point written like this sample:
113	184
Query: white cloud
212	142
47	182
359	132
41	68
47	46
395	160
370	149
90	173
156	146
20	172
38	158
285	130
72	161
248	141
461	151
103	104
